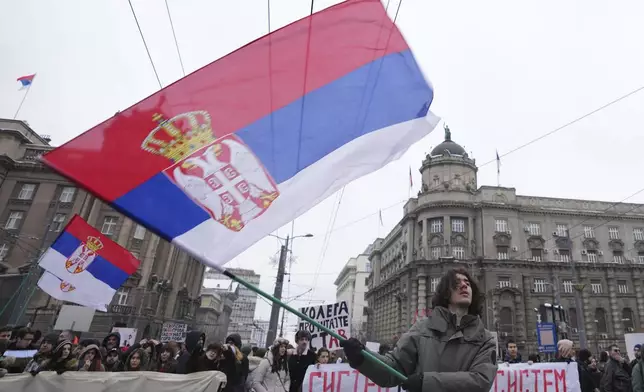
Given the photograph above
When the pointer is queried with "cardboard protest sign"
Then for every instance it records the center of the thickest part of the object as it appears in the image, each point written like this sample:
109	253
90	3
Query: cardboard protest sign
334	316
174	332
539	377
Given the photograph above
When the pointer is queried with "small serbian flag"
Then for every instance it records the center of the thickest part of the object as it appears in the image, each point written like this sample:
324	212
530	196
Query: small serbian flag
228	154
25	81
82	260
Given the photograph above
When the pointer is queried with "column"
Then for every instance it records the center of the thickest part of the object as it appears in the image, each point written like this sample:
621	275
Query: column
147	261
425	253
470	238
414	303
94	212
639	298
519	321
528	324
447	234
124	233
411	228
588	311
615	311
422	292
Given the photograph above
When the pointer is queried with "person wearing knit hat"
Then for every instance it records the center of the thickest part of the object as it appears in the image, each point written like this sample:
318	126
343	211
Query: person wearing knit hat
44	354
272	374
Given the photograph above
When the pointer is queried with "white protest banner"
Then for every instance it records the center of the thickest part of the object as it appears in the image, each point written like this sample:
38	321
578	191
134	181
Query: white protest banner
539	377
174	332
334	316
128	335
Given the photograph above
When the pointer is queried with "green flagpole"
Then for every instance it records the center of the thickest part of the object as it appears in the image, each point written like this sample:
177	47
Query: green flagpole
302	316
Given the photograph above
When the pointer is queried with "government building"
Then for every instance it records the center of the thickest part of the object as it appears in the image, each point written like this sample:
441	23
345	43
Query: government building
36	204
521	249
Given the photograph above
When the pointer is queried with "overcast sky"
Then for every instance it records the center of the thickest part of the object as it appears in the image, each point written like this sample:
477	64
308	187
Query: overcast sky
504	73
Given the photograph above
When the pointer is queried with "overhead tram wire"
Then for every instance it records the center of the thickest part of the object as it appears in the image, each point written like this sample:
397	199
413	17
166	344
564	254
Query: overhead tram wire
145	44
174	35
545	135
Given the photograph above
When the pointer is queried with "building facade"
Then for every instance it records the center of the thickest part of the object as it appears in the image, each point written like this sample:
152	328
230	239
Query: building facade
351	286
213	314
243	314
35	205
521	250
258	335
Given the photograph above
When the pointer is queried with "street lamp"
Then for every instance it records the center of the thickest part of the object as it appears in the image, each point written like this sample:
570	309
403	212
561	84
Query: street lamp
279	284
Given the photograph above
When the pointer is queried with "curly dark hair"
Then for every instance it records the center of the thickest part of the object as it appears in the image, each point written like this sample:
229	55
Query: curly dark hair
448	282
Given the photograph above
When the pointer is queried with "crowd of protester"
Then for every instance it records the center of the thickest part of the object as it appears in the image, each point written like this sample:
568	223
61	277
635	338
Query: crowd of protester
280	368
611	371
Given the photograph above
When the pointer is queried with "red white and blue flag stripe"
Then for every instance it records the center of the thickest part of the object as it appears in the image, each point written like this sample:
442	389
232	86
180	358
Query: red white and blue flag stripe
244	145
86	261
25	81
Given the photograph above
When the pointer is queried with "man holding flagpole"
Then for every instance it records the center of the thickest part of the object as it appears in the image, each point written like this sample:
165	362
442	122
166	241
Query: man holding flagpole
25	84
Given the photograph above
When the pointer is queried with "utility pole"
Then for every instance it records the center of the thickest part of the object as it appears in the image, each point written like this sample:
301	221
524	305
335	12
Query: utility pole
279	284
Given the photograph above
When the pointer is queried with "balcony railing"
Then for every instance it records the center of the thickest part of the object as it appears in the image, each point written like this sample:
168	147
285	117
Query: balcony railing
122	309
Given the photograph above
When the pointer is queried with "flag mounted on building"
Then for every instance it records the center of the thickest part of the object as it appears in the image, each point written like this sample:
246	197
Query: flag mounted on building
226	155
84	266
411	179
26	81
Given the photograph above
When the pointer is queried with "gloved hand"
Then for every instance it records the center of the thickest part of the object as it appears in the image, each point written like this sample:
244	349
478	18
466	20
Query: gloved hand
414	383
353	350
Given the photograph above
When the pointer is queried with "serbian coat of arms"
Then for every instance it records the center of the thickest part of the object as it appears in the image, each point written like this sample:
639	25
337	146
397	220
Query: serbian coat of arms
223	176
84	255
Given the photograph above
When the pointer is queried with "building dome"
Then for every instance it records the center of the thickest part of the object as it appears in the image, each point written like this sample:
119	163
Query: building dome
448	145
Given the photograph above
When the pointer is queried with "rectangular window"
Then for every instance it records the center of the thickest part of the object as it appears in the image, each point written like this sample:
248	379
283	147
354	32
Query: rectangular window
436	252
536	254
122	295
4	250
67	194
589	232
622	287
458	252
504	282
437	182
638	234
534	228
618	257
591	256
109	225
458	225
564	255
540	285
562	230
139	232
567	286
502	252
14	221
501	225
58	222
596	286
433	285
27	192
436	225
613	233
640	258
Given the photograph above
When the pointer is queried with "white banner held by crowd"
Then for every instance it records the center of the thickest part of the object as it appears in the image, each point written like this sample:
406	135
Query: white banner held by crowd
539	377
174	332
334	316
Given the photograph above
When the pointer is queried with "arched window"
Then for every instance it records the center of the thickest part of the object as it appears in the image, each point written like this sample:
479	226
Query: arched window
572	318
628	318
600	320
506	323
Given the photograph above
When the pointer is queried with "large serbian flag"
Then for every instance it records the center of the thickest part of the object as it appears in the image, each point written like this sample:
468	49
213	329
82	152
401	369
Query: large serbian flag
224	156
84	266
